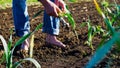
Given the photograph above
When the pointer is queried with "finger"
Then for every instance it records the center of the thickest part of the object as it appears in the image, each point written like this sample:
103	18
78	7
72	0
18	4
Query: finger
58	10
63	6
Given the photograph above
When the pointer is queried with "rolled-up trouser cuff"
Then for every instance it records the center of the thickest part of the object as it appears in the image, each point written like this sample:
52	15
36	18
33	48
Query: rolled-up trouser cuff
50	31
22	32
50	24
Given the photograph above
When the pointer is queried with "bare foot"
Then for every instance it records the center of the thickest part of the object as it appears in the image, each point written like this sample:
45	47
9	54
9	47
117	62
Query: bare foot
25	45
53	40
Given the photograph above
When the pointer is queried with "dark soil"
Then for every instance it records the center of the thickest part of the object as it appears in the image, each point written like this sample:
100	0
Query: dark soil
76	54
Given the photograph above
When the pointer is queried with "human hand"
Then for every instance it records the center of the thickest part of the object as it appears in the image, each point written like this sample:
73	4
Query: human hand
61	4
51	8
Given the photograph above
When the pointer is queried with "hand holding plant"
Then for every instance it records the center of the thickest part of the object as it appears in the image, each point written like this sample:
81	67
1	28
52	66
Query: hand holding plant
51	8
61	4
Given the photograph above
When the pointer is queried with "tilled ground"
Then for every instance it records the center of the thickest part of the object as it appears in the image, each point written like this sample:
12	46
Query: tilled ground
76	54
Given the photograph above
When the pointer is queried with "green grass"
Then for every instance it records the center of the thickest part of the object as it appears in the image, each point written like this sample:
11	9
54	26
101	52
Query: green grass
7	3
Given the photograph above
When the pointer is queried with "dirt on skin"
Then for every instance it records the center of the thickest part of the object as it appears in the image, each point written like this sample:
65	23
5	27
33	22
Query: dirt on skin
76	54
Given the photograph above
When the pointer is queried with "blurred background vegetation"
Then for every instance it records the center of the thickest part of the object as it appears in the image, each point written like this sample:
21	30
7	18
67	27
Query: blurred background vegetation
8	3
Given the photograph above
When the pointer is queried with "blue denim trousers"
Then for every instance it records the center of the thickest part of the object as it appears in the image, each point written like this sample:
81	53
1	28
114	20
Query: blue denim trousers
50	24
21	17
21	20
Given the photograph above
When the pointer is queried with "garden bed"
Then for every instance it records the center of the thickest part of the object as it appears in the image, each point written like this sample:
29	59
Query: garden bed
76	54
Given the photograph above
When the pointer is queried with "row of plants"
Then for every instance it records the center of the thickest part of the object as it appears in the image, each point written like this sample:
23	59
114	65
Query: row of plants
110	35
110	14
8	50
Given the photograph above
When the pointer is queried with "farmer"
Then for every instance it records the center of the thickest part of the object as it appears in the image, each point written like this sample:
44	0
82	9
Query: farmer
51	21
51	24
